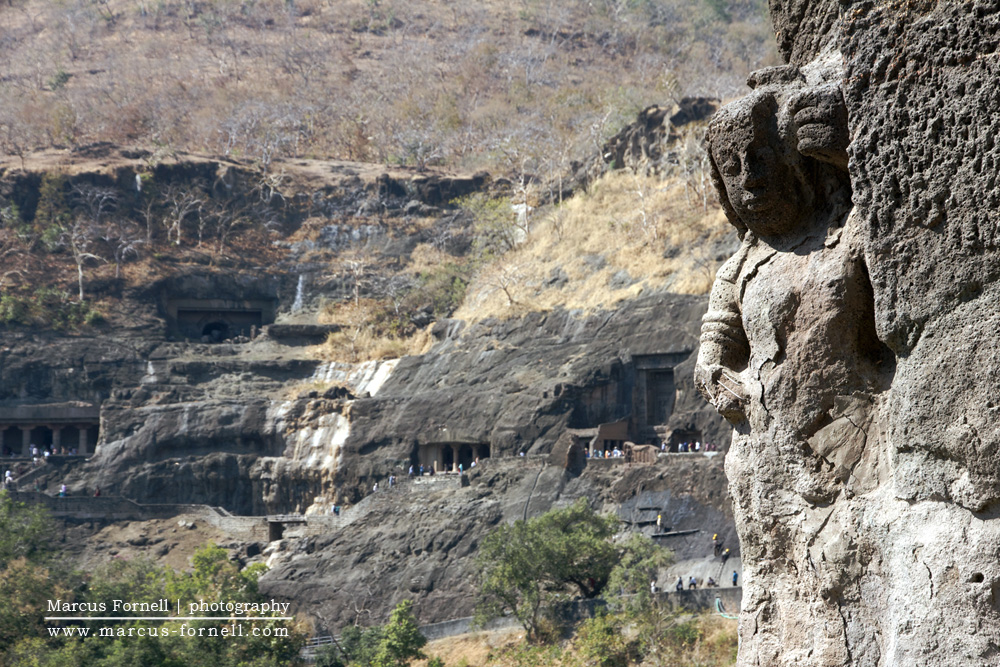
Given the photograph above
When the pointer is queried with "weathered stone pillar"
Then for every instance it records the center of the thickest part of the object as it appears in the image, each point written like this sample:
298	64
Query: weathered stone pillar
83	447
454	458
56	437
25	440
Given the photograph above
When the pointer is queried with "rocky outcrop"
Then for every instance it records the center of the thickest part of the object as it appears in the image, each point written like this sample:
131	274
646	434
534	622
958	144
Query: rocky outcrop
516	385
849	339
646	141
418	540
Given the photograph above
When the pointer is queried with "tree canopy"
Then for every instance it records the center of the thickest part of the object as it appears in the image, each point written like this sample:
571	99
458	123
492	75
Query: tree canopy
527	566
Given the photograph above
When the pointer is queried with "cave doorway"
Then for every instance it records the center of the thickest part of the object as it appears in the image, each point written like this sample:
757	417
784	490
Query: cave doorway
11	441
689	436
466	456
660	393
216	331
447	459
483	451
41	437
275	531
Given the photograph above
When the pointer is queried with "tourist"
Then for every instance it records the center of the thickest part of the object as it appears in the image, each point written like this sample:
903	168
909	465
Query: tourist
680	584
421	470
710	583
62	491
652	587
411	471
692	584
97	492
735	578
375	488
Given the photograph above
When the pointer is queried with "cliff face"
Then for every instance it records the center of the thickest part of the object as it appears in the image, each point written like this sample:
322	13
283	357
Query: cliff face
515	386
849	343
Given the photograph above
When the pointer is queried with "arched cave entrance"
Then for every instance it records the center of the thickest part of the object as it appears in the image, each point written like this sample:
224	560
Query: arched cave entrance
447	459
216	331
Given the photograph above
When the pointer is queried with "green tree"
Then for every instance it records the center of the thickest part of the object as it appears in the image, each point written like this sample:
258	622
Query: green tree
527	566
25	530
629	583
401	638
25	588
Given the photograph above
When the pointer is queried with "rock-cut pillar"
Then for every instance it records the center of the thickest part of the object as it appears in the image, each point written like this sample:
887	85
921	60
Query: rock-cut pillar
25	440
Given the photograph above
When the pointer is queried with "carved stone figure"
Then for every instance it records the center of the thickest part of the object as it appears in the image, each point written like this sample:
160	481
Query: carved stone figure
790	356
854	349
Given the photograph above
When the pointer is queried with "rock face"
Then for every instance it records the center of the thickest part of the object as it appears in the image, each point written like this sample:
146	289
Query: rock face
850	346
418	539
516	385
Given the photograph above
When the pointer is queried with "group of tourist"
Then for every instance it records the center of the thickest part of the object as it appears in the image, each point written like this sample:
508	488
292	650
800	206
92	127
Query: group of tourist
43	453
696	446
606	454
709	583
684	447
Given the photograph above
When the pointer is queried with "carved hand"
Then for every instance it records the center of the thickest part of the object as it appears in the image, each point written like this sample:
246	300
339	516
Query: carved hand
820	116
723	388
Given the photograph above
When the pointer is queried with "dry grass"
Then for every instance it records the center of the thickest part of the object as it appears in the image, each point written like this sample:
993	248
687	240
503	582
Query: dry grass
358	340
481	83
714	645
472	649
627	222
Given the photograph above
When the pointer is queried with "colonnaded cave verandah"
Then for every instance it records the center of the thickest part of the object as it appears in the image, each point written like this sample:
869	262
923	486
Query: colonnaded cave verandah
58	427
447	456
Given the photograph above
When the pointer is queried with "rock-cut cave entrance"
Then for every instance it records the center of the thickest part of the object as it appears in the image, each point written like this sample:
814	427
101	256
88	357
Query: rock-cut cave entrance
447	456
215	331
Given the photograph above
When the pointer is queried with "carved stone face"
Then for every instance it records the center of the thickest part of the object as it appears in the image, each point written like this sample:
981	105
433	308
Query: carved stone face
761	174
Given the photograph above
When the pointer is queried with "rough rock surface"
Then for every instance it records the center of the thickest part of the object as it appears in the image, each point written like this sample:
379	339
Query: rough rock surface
517	385
851	347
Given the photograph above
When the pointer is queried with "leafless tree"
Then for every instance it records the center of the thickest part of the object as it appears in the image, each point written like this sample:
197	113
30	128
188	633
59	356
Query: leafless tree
504	275
124	238
182	200
79	237
355	266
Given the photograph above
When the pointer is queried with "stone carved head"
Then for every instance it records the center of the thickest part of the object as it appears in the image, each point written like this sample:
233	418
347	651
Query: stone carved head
770	152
